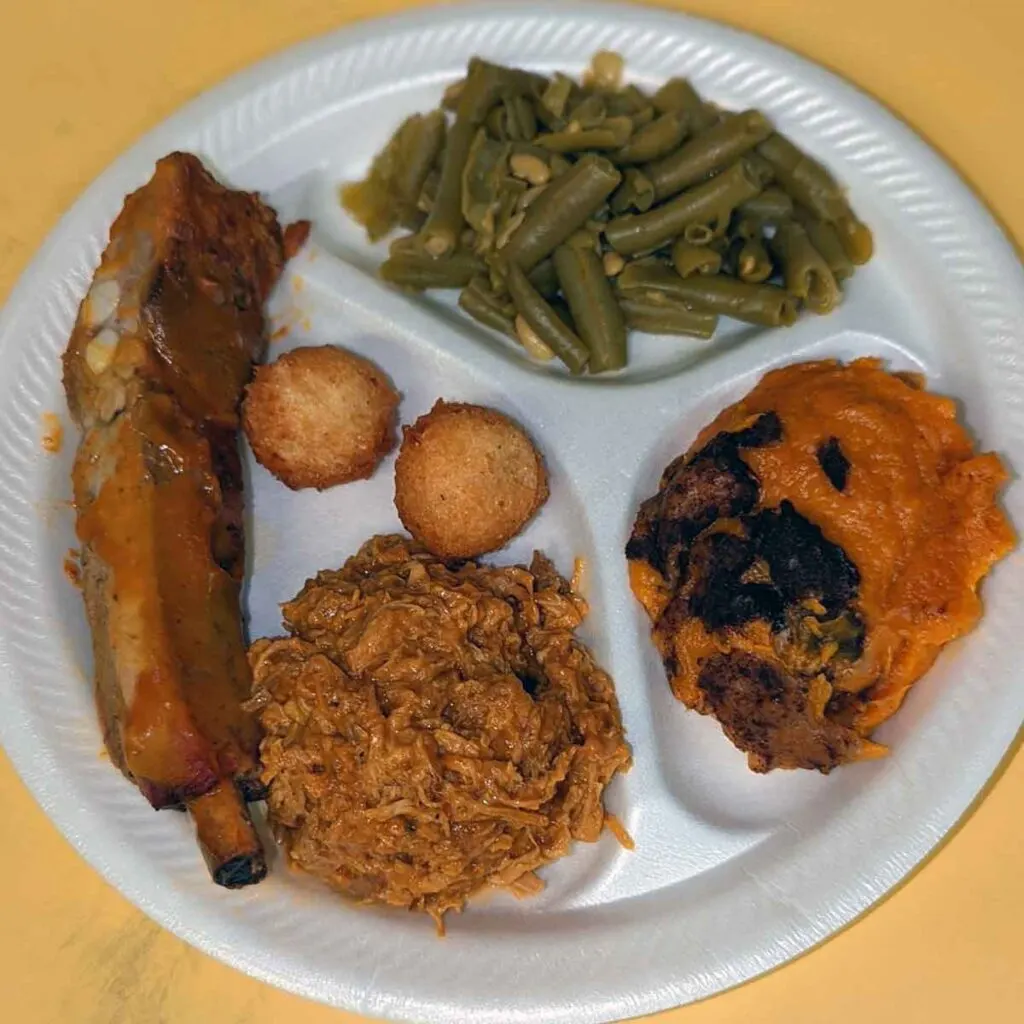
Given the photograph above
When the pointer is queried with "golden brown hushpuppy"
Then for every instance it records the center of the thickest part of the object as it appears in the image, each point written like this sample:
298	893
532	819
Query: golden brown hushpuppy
320	416
467	480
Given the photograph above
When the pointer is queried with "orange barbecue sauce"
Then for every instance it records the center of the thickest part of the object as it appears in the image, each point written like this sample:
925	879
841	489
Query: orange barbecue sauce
174	609
140	522
53	433
918	517
73	567
158	488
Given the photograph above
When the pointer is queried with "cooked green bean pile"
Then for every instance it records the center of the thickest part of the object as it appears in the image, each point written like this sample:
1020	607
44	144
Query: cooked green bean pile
569	212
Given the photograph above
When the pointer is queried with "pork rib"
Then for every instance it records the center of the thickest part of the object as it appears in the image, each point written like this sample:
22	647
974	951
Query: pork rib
154	371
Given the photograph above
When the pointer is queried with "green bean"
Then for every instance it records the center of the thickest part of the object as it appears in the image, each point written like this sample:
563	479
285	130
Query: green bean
642	118
544	278
764	170
677	96
445	220
428	192
486	307
663	316
555	98
412	220
806	180
512	187
508	215
520	119
613	133
496	82
407	245
546	121
633	104
631	100
420	143
590	112
482	176
570	212
497	273
452	92
529	197
753	264
806	274
825	238
390	192
562	208
559	165
653	140
496	125
545	322
514	120
699	234
588	237
635	193
690	260
714	148
771	206
856	237
507	229
485	84
592	302
760	304
644	262
714	200
530	149
419	271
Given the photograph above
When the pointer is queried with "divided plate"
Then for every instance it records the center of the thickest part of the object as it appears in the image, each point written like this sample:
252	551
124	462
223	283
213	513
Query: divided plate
733	873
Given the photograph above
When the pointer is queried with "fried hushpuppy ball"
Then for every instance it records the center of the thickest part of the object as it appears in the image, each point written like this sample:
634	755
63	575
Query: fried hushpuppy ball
467	480
320	416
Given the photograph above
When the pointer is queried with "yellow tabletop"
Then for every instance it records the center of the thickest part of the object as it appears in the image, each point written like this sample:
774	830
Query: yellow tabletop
80	80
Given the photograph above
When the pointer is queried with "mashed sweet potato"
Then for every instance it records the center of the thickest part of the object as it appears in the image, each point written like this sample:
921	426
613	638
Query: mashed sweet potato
433	732
810	555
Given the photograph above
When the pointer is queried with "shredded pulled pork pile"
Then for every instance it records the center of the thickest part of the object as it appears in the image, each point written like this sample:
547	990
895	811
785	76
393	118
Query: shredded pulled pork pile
433	731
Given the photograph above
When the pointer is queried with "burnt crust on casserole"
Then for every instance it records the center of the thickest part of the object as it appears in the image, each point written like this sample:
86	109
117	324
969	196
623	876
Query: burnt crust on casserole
729	564
806	561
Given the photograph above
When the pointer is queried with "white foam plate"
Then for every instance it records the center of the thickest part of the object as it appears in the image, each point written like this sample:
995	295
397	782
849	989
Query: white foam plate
733	873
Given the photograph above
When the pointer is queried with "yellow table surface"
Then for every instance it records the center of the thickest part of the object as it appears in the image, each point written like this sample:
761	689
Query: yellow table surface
79	81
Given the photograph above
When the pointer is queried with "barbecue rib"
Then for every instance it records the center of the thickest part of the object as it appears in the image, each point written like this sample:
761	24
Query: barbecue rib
164	344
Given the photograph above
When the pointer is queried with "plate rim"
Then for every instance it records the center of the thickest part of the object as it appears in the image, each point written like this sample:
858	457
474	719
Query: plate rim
37	770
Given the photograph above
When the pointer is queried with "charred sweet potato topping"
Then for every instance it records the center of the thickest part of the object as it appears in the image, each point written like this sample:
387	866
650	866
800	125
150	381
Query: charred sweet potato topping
806	560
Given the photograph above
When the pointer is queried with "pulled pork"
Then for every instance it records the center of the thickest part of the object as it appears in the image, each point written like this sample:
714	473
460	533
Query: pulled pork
433	731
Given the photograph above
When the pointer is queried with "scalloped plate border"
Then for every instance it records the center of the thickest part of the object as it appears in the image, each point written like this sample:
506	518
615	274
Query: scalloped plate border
227	122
